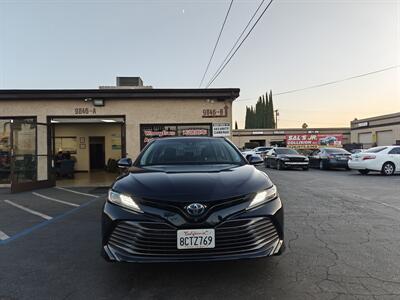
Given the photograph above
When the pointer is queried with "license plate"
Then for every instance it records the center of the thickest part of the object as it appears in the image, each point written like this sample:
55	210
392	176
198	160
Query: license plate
195	238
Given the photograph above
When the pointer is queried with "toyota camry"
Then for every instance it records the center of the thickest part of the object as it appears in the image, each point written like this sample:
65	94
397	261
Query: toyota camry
191	199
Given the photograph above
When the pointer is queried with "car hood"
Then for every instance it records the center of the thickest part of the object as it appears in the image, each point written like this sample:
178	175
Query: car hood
192	183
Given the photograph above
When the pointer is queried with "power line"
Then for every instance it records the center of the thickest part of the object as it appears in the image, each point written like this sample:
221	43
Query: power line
240	36
215	76
336	81
216	43
327	83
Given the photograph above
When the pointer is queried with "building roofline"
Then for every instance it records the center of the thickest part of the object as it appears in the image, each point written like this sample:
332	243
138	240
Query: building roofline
118	93
292	129
381	117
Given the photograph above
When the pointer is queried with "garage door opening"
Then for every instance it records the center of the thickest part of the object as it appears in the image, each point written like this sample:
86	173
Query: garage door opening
86	149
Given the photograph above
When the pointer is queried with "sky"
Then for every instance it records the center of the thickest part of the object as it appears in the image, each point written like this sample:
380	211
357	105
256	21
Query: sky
50	44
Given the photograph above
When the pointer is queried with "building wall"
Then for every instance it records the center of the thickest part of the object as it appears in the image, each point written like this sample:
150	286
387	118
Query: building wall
136	112
374	132
380	130
84	131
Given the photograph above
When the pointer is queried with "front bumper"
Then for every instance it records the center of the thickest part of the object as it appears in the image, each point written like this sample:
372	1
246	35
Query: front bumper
291	164
138	237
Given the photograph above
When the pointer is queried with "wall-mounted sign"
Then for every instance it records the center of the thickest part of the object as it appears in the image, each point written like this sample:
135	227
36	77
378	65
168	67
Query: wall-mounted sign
313	141
85	111
221	129
216	112
363	124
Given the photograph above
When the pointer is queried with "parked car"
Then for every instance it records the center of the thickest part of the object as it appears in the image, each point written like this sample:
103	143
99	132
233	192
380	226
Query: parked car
354	151
384	159
191	199
326	158
285	158
262	151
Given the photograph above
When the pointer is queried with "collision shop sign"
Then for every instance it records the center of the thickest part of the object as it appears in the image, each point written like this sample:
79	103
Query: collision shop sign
221	129
313	141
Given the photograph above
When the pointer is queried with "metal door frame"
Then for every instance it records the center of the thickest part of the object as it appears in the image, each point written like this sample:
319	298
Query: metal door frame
35	183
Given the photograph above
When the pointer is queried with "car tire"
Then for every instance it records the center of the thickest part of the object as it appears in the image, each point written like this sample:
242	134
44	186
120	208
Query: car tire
388	169
279	165
363	172
322	165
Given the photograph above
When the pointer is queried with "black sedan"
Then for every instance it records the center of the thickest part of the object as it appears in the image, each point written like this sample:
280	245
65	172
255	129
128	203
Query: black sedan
285	158
191	199
327	158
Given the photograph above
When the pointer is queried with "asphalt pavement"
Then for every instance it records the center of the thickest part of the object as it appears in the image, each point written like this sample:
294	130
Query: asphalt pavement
342	235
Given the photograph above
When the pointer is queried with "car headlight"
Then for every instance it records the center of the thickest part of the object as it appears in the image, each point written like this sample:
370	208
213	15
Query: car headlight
263	197
306	159
123	200
285	158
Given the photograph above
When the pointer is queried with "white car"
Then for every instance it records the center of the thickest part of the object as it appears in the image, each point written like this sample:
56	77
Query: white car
384	159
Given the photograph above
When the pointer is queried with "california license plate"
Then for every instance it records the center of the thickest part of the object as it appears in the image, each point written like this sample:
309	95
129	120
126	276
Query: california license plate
195	238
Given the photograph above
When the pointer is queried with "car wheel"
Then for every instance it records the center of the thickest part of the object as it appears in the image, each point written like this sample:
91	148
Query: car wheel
363	172
279	165
322	165
388	169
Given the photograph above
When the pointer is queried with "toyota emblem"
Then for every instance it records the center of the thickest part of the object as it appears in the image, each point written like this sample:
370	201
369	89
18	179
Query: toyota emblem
195	209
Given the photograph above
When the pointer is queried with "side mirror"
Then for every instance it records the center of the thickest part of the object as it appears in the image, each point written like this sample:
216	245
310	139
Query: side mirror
124	163
255	160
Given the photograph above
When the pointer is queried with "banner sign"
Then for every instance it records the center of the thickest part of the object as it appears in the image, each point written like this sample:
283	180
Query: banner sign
313	141
222	129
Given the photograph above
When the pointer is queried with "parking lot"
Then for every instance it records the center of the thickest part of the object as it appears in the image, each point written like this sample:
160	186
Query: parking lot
342	237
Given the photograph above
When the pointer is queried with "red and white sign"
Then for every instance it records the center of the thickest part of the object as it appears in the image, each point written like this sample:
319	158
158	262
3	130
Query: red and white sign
313	141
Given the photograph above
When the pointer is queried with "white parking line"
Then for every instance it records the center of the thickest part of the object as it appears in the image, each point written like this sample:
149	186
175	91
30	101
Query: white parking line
34	212
3	236
54	199
76	192
391	206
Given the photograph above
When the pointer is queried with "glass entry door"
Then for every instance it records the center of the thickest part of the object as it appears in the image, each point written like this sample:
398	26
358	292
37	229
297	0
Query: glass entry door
30	155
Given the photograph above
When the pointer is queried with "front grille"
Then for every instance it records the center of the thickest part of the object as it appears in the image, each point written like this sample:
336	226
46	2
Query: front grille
296	159
179	206
150	239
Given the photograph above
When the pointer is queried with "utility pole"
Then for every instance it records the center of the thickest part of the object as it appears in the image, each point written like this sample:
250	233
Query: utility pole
276	118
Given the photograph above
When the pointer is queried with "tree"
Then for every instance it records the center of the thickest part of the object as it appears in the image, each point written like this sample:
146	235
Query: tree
262	114
271	107
236	125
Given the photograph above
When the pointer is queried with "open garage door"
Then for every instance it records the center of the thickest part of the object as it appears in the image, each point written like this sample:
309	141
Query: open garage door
384	138
30	156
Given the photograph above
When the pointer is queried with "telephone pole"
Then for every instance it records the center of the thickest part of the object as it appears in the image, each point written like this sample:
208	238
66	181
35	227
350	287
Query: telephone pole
276	117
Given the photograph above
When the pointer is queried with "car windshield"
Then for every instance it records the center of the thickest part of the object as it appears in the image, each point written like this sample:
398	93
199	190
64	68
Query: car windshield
190	151
338	150
375	149
286	151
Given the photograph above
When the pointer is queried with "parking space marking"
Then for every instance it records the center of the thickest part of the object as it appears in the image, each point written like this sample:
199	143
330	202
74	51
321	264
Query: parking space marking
44	223
34	212
76	192
391	206
3	236
54	199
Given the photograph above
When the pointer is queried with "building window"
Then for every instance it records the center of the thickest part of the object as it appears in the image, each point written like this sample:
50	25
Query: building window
149	132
